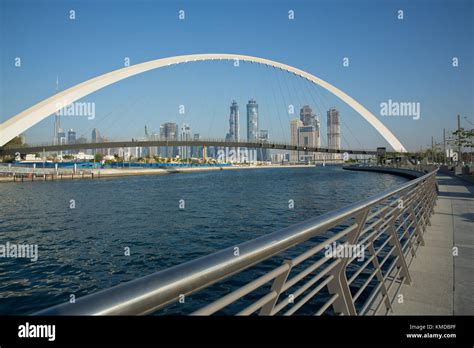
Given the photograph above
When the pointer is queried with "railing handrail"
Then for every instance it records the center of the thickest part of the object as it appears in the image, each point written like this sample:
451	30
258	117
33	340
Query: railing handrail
149	293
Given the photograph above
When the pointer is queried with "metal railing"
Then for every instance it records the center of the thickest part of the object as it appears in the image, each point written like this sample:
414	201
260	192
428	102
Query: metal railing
11	150
292	271
19	170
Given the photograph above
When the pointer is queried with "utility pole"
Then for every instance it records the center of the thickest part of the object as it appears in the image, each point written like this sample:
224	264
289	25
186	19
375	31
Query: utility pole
432	150
459	139
444	146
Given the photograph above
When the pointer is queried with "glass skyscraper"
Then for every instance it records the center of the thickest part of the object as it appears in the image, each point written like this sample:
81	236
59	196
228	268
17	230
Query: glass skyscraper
252	120
334	131
234	123
169	131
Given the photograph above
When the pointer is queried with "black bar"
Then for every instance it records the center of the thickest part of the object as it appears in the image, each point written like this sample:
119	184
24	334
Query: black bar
221	330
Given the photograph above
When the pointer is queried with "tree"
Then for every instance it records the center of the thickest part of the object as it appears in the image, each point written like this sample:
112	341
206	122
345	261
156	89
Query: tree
464	139
98	157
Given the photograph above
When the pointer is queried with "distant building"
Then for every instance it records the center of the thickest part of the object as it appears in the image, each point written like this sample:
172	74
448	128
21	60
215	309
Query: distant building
277	158
61	137
234	122
81	140
95	138
169	131
334	132
307	138
57	127
71	136
185	151
147	151
310	119
153	150
295	126
71	139
263	154
252	120
95	135
196	151
307	116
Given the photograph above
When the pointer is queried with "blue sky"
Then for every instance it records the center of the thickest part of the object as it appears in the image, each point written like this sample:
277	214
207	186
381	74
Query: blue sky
405	60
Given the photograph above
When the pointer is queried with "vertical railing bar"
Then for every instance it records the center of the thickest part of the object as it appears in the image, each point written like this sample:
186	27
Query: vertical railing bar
344	302
277	286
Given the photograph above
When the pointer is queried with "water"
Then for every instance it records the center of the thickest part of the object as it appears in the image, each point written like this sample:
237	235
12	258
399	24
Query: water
81	250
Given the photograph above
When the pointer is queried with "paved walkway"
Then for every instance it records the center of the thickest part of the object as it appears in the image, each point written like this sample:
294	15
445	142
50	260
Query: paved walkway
443	284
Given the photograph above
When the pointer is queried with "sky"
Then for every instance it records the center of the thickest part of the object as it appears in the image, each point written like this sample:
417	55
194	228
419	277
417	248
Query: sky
403	60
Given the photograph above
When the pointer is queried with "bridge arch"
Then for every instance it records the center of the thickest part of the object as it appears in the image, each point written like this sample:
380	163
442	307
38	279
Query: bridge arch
31	116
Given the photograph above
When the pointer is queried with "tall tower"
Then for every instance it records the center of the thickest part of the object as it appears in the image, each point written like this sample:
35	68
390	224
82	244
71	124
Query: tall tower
234	123
71	136
295	126
71	139
334	131
252	120
95	138
185	151
311	129
169	131
307	116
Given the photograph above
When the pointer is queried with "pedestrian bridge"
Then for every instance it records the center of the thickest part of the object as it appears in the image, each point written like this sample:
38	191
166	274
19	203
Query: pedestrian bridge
159	143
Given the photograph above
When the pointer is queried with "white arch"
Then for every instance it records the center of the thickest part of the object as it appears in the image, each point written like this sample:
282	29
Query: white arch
29	117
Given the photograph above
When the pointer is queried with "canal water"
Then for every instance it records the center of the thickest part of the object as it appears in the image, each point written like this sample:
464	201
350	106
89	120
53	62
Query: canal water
85	228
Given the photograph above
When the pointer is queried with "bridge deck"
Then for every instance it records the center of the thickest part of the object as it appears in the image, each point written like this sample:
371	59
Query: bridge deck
442	284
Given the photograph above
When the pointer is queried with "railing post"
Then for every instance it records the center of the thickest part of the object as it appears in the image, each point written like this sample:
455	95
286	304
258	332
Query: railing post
418	232
277	285
339	285
376	264
401	262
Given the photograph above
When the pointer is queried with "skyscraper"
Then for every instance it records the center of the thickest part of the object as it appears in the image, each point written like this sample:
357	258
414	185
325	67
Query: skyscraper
252	120
295	126
185	151
334	132
234	123
307	137
57	127
61	137
71	139
95	138
308	118
71	136
169	131
305	132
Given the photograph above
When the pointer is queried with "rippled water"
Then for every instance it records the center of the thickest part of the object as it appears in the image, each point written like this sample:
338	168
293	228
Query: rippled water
81	250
